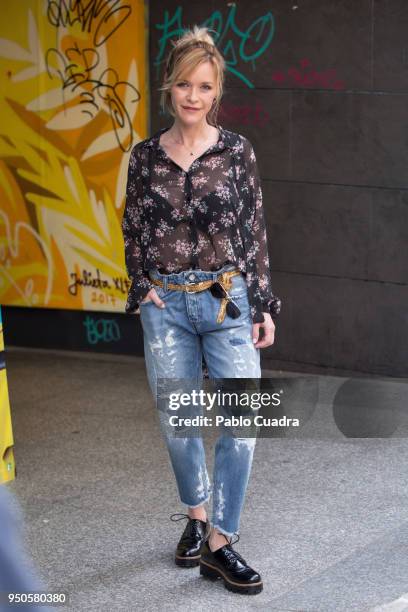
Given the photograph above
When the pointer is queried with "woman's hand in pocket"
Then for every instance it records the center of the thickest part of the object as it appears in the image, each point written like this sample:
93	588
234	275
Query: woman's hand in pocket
153	297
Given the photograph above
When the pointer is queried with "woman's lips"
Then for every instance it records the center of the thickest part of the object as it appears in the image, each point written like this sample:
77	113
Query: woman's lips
190	108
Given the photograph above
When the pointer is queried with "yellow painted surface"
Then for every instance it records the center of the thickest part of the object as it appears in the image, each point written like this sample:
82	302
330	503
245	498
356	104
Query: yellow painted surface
73	102
7	466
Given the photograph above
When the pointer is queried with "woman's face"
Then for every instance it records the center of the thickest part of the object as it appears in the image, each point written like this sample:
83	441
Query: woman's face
193	94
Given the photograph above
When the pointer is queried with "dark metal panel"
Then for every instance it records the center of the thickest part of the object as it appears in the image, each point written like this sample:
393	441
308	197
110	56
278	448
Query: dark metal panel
318	229
390	48
341	323
350	139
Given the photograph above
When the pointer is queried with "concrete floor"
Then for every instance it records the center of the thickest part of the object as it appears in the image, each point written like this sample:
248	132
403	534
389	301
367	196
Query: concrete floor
325	520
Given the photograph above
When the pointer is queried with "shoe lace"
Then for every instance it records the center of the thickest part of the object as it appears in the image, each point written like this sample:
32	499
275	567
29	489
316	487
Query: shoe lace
194	522
231	554
235	541
180	514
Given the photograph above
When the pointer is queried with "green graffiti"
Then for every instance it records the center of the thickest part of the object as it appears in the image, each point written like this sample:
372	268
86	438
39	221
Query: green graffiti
238	47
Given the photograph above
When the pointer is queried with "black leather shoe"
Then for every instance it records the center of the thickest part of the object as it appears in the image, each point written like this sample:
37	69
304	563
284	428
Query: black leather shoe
188	552
227	564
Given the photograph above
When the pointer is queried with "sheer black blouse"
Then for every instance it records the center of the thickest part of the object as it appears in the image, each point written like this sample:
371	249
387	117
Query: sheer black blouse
203	218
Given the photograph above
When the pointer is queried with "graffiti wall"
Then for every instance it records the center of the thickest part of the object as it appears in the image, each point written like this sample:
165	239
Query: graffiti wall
319	88
73	103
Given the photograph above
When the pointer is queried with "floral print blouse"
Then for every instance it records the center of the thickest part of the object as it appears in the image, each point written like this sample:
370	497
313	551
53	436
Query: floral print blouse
204	218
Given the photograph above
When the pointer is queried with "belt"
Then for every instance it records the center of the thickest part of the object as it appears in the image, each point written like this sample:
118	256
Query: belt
224	279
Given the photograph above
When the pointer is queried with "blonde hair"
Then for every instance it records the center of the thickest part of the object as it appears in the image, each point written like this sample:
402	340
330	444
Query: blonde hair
194	47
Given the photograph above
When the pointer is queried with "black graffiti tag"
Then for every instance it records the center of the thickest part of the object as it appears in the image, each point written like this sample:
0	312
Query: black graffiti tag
75	72
104	16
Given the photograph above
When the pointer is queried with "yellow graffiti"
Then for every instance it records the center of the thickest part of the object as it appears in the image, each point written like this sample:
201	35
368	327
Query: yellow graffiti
73	103
7	464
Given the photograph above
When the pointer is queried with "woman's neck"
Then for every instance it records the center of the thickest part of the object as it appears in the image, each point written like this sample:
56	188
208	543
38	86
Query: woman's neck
191	135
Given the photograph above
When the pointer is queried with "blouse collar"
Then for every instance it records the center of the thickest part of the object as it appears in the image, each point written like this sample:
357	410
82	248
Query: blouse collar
227	139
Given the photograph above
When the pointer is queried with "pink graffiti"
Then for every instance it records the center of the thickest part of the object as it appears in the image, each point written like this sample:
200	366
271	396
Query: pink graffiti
244	114
306	76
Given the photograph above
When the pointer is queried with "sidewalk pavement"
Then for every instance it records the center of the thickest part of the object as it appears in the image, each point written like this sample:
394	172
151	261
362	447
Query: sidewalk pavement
325	520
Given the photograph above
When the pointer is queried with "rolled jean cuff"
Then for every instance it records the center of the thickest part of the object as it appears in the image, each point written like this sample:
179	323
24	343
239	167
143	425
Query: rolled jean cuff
199	504
222	530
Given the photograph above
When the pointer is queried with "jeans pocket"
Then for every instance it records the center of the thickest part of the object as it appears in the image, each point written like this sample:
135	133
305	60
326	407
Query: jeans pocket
160	292
239	287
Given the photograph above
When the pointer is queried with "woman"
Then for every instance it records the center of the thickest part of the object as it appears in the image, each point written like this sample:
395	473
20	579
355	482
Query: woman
196	252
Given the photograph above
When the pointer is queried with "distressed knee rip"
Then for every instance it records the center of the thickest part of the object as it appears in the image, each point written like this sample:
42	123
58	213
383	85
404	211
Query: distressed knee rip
244	354
220	505
237	341
247	443
165	348
203	483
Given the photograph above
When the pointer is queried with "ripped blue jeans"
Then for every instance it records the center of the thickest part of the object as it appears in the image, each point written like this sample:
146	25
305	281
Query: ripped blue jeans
175	340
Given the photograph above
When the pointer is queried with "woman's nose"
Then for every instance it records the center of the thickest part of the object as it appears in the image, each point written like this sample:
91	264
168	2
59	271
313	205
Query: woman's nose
193	95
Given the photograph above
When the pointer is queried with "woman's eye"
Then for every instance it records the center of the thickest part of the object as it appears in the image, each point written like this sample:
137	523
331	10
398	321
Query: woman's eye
207	87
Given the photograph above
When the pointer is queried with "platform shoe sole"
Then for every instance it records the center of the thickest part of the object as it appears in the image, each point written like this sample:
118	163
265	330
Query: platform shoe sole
187	561
213	573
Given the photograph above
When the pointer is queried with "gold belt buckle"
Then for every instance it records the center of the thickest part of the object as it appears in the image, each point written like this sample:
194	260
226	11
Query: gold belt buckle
187	287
